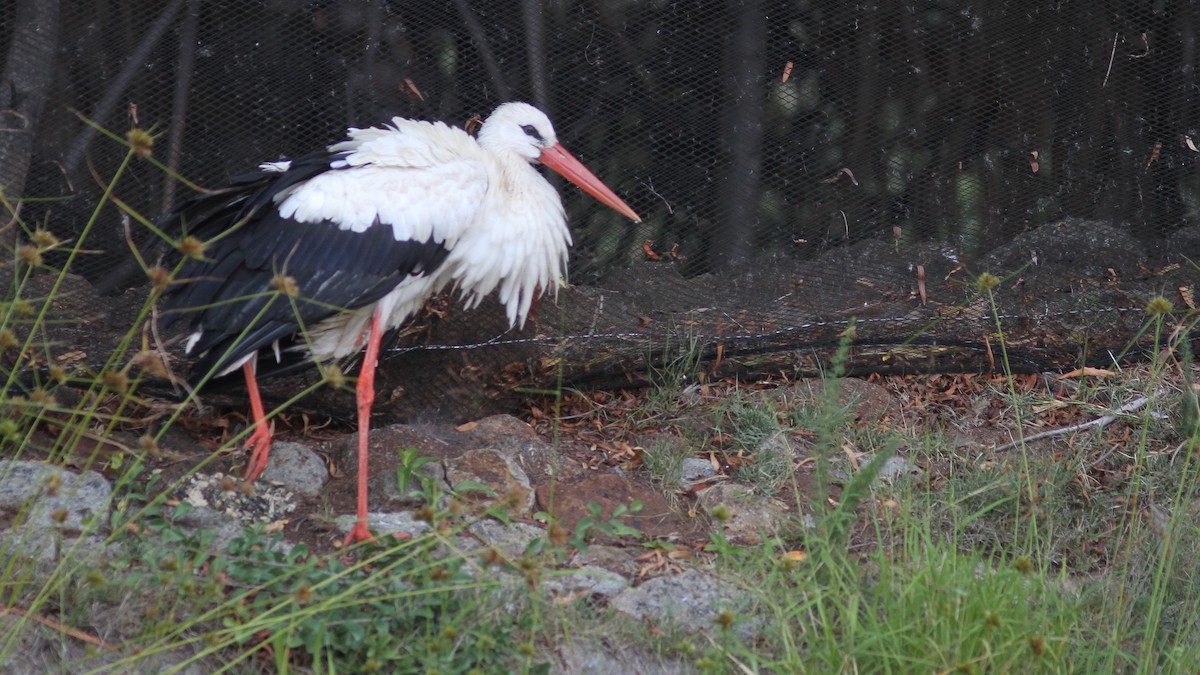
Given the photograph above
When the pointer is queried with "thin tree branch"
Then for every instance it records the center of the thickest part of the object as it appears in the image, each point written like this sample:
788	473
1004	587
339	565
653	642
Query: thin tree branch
1099	422
112	97
183	84
485	51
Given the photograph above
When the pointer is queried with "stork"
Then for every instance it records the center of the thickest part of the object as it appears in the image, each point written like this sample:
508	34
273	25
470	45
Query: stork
323	254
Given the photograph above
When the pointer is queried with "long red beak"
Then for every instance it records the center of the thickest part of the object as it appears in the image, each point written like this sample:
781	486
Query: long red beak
563	162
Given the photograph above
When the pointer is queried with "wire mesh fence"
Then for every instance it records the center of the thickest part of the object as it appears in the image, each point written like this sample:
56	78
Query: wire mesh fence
803	169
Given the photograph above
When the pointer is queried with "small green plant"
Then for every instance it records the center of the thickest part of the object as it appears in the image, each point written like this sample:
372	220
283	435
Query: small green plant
412	482
663	461
680	363
679	367
410	611
595	523
749	423
752	427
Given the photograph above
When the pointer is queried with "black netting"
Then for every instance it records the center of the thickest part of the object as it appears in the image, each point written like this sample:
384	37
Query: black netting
798	165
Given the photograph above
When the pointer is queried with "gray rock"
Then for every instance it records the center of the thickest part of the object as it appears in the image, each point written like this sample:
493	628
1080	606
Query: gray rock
695	469
201	516
580	657
617	559
895	467
751	515
384	486
35	544
512	540
779	444
515	439
224	531
297	467
588	580
691	600
497	470
231	497
227	530
401	522
43	496
224	527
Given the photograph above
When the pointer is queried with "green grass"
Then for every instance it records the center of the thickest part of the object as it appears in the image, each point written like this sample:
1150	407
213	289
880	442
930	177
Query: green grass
1020	562
1072	554
663	462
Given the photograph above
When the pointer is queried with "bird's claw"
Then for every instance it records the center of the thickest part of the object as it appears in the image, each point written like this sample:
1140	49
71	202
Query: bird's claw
359	533
259	445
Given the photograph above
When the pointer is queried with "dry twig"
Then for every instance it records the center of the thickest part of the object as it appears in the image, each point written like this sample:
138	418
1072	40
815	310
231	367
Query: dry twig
1099	422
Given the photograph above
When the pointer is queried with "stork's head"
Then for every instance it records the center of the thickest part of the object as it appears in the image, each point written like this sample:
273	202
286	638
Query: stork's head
526	131
519	128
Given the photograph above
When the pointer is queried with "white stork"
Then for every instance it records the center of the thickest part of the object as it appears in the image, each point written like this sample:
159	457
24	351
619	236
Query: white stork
323	254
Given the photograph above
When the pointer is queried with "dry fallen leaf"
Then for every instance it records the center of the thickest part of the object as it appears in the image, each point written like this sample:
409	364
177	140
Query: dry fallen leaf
411	89
852	454
1087	372
1052	405
571	597
54	625
1145	45
844	171
466	426
648	249
1154	153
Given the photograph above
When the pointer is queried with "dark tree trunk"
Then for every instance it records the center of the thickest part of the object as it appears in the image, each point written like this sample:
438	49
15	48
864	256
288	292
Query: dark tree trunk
28	72
742	136
535	49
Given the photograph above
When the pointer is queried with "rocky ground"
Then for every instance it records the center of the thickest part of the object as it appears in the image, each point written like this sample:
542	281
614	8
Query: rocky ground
307	492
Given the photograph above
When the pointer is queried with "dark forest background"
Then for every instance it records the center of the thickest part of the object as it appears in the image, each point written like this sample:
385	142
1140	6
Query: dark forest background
741	130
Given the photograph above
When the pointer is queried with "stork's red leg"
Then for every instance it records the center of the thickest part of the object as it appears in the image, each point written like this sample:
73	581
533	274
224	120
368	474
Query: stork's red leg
365	395
259	442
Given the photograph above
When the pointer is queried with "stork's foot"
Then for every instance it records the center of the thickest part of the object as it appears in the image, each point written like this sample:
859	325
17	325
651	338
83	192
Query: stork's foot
359	533
259	445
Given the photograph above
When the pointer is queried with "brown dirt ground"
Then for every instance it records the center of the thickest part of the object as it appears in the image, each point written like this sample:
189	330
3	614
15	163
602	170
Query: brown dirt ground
599	431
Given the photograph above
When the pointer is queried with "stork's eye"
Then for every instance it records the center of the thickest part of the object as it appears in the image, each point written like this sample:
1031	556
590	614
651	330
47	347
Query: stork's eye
532	132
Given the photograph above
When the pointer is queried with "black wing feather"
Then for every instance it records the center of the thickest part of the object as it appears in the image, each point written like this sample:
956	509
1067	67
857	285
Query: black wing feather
229	295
